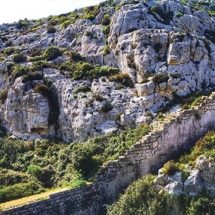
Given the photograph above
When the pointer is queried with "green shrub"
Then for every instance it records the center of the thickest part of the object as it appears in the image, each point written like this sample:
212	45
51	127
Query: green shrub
106	107
83	89
19	58
77	183
76	57
34	170
106	50
160	78
89	16
22	24
98	97
19	190
11	177
106	20
178	15
106	30
155	9
43	90
3	95
32	76
51	29
170	168
141	197
34	52
122	78
66	23
9	43
52	53
9	51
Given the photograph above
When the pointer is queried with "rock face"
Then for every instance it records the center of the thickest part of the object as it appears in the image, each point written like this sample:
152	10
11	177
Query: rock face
200	178
168	40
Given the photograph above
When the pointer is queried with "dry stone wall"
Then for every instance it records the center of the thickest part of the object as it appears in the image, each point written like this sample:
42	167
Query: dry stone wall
168	139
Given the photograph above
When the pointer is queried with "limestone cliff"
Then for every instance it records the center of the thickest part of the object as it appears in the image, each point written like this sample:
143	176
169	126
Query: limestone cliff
166	47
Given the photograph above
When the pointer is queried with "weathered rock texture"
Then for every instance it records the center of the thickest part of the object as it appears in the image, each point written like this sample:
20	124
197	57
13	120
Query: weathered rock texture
175	42
146	156
201	178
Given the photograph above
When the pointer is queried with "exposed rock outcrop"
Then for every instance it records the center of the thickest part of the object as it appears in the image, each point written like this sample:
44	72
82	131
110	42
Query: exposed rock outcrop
168	40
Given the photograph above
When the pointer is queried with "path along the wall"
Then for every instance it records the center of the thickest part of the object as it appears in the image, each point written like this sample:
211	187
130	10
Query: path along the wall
167	139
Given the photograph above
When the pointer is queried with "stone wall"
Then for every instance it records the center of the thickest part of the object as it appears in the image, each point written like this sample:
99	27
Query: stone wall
167	139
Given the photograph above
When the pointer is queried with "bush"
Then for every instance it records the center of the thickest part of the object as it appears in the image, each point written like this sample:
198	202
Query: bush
77	183
19	58
19	191
9	51
106	50
106	20
170	168
160	78
3	95
106	107
43	90
52	53
66	23
106	30
122	78
35	171
22	24
178	15
76	57
51	30
83	89
141	197
32	76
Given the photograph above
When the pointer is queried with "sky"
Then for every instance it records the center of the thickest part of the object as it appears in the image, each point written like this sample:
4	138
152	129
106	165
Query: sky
14	10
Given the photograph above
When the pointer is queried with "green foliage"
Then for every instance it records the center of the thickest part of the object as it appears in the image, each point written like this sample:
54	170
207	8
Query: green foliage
122	78
106	20
77	183
106	30
19	190
51	29
165	16
52	53
32	76
178	15
83	89
202	205
75	56
170	168
160	78
106	50
22	24
9	51
106	107
3	95
140	198
19	58
66	23
34	170
87	71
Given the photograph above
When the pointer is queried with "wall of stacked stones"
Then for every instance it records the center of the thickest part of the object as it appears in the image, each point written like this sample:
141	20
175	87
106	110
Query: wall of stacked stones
146	156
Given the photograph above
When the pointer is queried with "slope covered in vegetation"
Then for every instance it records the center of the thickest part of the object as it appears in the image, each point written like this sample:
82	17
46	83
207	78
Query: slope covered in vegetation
144	197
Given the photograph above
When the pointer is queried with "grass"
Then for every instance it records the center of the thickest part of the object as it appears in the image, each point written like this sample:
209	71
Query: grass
29	199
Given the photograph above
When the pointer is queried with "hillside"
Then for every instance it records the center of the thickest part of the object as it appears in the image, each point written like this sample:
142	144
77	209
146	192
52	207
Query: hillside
83	89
